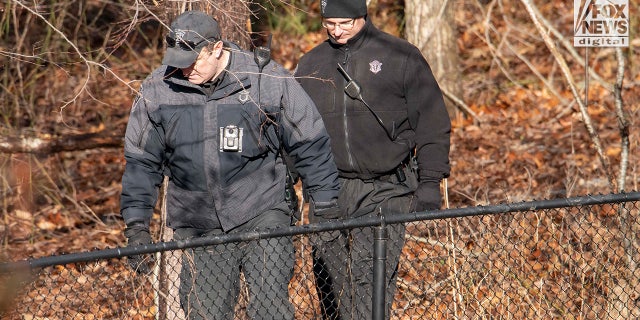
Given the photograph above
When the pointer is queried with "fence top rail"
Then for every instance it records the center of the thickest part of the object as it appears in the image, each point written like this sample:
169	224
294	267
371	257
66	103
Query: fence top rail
381	220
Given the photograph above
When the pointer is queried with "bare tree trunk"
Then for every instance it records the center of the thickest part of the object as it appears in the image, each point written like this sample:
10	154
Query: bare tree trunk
169	267
623	121
430	27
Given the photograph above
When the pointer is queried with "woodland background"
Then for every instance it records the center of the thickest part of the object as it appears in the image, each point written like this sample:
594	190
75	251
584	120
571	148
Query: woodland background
69	70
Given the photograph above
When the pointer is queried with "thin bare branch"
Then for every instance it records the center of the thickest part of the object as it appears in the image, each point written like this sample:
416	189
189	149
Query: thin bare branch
495	52
595	138
461	104
569	47
86	61
623	121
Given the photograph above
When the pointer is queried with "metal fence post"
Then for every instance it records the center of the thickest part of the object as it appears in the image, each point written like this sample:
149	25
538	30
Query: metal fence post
379	270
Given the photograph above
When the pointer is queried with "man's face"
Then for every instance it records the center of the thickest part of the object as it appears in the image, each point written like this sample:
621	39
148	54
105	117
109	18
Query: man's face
343	29
207	65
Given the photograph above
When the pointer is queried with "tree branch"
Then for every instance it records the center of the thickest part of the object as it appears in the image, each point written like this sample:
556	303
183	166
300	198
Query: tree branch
595	138
623	121
461	104
50	145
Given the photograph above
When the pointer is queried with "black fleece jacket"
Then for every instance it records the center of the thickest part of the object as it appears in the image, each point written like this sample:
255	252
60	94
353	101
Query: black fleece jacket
397	83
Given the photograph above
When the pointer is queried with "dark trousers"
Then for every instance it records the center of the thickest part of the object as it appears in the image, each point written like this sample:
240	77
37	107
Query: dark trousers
343	260
210	276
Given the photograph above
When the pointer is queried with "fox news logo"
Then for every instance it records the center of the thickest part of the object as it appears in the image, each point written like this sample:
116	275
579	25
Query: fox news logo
601	23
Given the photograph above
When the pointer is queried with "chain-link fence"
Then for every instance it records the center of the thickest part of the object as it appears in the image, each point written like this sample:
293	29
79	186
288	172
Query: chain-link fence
570	258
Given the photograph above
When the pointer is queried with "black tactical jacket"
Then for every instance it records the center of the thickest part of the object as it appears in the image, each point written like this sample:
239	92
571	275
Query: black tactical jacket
177	129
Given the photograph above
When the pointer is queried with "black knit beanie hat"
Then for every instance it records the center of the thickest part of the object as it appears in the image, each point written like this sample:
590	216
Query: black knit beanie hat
343	8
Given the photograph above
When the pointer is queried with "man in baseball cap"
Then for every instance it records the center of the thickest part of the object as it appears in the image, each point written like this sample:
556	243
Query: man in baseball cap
198	120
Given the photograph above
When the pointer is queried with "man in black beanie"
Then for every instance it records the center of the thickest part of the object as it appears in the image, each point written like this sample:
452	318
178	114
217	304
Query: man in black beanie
390	133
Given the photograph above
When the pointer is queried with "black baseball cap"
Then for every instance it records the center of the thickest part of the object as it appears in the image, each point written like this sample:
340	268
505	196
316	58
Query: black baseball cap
190	32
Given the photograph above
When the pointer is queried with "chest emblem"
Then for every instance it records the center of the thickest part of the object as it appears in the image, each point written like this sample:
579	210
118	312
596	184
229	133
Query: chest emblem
375	66
243	96
180	34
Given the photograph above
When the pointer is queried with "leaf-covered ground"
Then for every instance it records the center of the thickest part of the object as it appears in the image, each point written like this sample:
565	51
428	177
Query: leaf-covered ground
528	141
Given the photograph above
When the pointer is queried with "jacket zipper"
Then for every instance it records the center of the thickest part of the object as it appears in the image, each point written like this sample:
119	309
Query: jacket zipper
347	146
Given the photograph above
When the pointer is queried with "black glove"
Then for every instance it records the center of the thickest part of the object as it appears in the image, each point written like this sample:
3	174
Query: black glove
427	196
291	197
139	235
319	211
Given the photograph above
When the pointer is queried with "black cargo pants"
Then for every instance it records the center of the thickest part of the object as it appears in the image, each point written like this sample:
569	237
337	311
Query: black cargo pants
343	260
210	276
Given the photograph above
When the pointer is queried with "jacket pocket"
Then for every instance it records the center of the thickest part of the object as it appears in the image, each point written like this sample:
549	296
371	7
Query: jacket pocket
182	124
246	138
187	208
184	140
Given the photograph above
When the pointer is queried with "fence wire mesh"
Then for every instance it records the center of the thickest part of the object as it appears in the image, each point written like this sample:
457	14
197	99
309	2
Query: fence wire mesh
574	262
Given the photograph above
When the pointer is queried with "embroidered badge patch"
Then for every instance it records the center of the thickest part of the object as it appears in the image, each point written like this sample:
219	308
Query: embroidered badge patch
375	66
244	96
180	34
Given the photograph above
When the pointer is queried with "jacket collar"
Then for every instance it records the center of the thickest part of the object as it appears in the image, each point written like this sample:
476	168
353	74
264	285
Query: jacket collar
358	40
235	78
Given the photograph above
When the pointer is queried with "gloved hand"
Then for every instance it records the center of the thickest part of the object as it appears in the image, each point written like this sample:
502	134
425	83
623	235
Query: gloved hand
139	235
427	196
319	211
